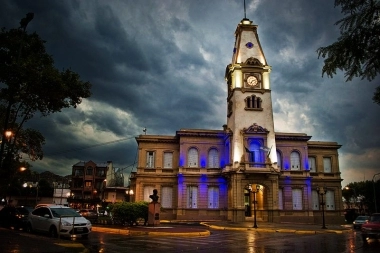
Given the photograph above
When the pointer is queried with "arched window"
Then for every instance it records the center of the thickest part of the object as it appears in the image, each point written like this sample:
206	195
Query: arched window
213	158
253	102
192	157
295	163
255	155
279	160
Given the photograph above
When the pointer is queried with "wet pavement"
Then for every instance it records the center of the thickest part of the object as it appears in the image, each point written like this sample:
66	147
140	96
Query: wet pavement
198	228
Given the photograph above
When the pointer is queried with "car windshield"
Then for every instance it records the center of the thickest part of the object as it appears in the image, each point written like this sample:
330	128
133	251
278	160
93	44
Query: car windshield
375	218
23	210
362	218
64	212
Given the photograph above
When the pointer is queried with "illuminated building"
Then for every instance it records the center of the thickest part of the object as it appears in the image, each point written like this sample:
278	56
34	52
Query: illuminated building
205	174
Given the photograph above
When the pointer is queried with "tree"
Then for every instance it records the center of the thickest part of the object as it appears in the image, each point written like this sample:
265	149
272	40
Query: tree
30	85
357	51
360	195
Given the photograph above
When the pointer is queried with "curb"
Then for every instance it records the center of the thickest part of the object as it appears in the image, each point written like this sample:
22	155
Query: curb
155	233
284	230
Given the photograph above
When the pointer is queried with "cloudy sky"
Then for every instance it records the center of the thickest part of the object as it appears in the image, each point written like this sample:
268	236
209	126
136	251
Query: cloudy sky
160	64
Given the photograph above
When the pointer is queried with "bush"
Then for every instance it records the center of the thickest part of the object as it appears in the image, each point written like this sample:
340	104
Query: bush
130	212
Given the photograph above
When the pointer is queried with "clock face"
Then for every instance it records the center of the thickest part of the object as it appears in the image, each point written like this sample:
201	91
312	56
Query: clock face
252	81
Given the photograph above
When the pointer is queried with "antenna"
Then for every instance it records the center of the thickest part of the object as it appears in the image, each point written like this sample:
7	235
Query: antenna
245	15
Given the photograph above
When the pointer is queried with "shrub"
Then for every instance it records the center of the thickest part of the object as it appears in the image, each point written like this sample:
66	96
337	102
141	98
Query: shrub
130	212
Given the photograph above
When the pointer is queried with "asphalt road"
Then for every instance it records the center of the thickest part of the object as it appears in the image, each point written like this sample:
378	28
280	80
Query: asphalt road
218	241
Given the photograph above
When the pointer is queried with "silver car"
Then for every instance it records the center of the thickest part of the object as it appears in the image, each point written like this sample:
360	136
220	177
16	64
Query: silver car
359	221
53	218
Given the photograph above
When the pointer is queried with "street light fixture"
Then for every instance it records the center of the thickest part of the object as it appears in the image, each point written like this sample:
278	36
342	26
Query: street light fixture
321	191
250	189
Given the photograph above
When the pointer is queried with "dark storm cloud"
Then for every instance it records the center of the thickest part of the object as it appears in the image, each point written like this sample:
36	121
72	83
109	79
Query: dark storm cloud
160	65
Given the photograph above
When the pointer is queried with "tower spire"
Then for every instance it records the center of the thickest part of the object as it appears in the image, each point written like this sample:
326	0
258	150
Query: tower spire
245	14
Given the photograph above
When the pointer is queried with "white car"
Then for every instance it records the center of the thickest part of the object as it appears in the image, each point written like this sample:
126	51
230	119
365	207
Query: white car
53	218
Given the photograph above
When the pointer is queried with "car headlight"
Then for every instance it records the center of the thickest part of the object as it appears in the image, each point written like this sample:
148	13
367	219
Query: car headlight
65	223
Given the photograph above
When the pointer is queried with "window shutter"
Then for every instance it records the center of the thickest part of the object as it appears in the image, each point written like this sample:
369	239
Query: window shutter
150	159
192	196
315	199
312	166
330	203
148	190
213	158
213	197
168	160
167	197
192	158
295	161
327	164
297	199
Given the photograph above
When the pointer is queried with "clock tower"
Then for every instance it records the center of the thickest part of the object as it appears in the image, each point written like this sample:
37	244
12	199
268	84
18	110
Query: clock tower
249	102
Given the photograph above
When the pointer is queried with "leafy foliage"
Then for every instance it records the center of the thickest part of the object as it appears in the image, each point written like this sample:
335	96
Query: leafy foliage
360	195
357	51
30	85
130	212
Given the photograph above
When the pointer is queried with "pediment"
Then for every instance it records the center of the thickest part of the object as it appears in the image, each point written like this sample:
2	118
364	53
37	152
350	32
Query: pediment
253	61
255	128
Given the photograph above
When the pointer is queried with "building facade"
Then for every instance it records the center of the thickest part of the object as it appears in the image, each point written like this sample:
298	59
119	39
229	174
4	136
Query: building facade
246	167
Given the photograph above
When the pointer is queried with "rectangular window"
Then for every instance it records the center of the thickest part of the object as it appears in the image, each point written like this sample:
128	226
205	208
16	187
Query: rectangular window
168	160
327	164
150	159
312	166
167	197
330	201
315	199
297	199
88	184
280	200
192	197
213	197
148	190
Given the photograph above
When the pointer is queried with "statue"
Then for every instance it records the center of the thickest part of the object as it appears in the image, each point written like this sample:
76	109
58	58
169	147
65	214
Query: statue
154	196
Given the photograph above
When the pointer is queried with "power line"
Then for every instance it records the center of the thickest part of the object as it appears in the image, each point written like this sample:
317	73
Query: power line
92	146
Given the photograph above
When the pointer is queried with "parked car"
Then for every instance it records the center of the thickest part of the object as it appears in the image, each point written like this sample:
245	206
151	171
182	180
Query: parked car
53	218
14	216
359	221
89	214
371	229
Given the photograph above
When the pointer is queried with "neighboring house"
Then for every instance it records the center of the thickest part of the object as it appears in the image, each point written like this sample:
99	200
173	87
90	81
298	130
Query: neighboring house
226	174
95	184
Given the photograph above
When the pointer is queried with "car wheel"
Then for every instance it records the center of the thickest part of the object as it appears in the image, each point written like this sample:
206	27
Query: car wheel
53	232
29	228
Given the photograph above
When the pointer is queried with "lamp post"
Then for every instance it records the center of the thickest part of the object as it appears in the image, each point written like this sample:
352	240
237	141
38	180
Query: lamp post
250	189
321	191
374	190
129	194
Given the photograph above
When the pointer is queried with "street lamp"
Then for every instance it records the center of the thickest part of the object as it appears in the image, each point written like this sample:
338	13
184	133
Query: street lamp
321	191
250	189
129	195
374	190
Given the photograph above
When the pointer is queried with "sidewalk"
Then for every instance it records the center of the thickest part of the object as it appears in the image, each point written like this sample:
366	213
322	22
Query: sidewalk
192	228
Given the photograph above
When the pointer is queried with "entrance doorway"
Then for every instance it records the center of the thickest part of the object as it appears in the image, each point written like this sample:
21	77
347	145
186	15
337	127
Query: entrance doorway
253	200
